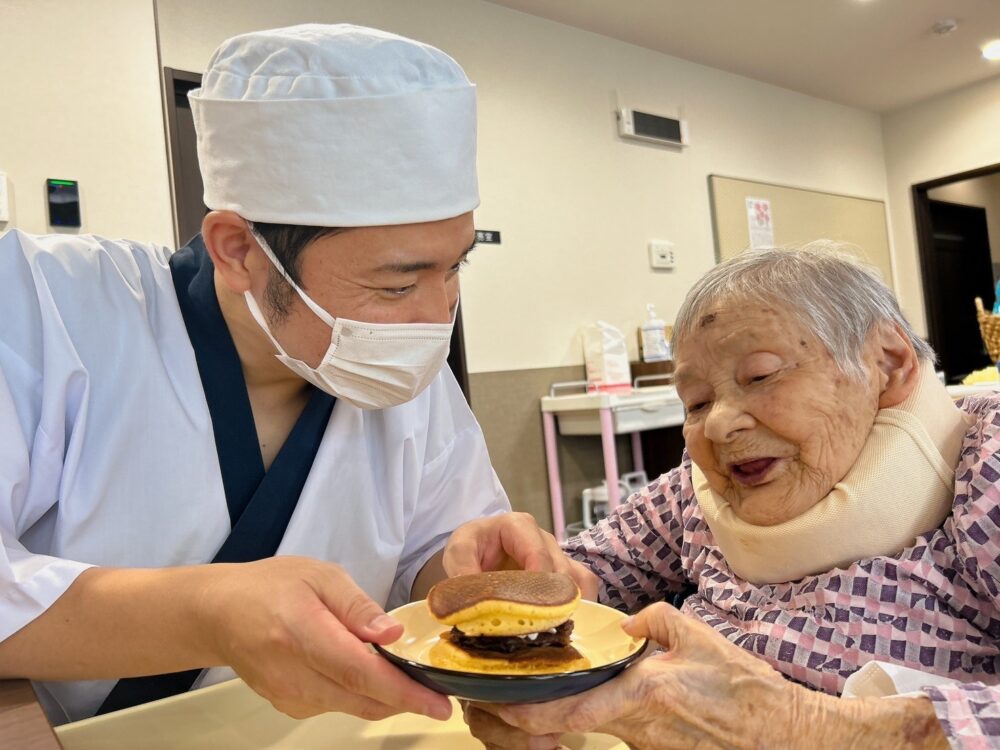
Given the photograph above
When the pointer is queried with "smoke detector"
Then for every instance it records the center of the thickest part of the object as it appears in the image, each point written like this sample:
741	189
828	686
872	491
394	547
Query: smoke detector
945	26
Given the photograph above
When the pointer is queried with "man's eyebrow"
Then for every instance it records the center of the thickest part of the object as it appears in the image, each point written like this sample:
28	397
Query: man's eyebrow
421	265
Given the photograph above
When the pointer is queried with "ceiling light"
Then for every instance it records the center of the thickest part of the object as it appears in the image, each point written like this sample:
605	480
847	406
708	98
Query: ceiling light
991	50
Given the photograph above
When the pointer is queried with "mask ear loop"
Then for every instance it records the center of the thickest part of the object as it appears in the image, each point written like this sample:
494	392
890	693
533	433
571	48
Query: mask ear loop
317	310
258	315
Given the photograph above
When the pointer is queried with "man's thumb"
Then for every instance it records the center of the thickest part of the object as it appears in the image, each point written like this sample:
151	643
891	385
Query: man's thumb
360	614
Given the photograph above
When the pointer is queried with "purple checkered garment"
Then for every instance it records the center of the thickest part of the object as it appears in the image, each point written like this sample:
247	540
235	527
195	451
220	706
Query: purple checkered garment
935	606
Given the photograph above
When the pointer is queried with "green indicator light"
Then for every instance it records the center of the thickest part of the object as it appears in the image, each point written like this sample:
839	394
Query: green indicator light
62	182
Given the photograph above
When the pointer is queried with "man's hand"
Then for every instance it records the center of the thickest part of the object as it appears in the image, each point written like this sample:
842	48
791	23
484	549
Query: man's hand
296	630
512	541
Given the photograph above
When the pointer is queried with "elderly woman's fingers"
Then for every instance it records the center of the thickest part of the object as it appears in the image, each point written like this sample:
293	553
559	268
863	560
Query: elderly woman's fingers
690	640
512	540
494	732
588	582
586	579
677	632
661	623
595	710
529	546
704	690
698	669
461	553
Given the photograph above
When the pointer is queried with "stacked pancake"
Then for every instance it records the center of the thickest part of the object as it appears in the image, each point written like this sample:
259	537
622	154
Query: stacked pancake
506	622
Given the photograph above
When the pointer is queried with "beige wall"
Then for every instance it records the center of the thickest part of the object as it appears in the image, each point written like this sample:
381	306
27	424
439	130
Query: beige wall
576	205
943	136
983	192
80	99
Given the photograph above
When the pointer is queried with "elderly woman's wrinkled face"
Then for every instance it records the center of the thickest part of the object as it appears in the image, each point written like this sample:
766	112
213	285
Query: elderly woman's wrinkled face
772	421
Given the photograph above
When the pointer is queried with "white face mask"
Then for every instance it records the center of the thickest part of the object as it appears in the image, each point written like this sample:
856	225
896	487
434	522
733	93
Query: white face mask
371	365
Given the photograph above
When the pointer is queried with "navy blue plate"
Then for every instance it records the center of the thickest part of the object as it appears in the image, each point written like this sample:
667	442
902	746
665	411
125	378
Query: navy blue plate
597	635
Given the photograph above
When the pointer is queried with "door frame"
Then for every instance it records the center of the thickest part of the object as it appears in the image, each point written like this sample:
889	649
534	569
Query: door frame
171	77
925	243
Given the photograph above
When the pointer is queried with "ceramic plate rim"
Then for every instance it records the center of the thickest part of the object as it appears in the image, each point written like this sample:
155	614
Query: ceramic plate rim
514	677
640	649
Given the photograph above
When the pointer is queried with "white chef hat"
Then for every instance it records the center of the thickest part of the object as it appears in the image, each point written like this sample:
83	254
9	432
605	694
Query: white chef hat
336	126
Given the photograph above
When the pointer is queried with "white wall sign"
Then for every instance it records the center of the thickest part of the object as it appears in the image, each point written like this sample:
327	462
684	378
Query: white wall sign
760	222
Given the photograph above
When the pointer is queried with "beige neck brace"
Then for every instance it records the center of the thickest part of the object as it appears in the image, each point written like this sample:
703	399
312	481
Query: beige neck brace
902	485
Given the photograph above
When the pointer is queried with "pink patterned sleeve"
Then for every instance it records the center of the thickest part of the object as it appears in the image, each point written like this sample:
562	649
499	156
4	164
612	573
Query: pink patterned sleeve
969	714
636	551
975	522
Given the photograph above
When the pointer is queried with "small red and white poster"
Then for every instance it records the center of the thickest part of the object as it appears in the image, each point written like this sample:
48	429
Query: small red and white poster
760	221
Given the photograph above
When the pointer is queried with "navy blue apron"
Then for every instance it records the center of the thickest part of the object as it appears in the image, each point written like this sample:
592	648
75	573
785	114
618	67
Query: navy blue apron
260	502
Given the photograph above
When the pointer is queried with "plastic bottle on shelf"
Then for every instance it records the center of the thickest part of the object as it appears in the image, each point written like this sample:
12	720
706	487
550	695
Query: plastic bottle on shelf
655	347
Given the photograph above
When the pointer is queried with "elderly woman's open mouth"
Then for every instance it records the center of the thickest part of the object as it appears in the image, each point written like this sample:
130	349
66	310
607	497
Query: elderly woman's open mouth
753	471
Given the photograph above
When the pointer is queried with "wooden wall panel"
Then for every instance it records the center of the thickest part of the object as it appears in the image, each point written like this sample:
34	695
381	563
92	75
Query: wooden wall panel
508	408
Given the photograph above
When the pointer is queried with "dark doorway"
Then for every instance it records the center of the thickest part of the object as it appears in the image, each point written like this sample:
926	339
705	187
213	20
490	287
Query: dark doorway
188	190
957	266
964	272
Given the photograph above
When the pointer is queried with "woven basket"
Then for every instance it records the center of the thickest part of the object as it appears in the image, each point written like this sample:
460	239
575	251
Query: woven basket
989	327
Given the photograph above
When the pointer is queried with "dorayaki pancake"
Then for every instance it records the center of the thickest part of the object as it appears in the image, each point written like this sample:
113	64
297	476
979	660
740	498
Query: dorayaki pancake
509	622
544	660
504	602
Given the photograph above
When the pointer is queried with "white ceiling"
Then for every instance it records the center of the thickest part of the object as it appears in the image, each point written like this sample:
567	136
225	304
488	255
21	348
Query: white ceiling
878	55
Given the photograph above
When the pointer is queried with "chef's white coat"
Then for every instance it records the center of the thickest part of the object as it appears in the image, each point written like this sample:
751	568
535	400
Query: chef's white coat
107	454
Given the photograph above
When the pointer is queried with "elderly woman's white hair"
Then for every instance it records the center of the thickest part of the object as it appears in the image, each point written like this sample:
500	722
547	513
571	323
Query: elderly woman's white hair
831	292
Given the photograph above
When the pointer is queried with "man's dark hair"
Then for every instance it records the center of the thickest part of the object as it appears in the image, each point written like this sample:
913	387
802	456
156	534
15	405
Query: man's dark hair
287	241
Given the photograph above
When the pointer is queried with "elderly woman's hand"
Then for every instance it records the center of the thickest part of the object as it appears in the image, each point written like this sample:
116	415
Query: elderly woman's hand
705	692
496	734
512	541
702	692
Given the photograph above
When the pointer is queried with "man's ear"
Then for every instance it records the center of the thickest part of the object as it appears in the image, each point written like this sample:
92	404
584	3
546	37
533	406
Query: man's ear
229	243
898	364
